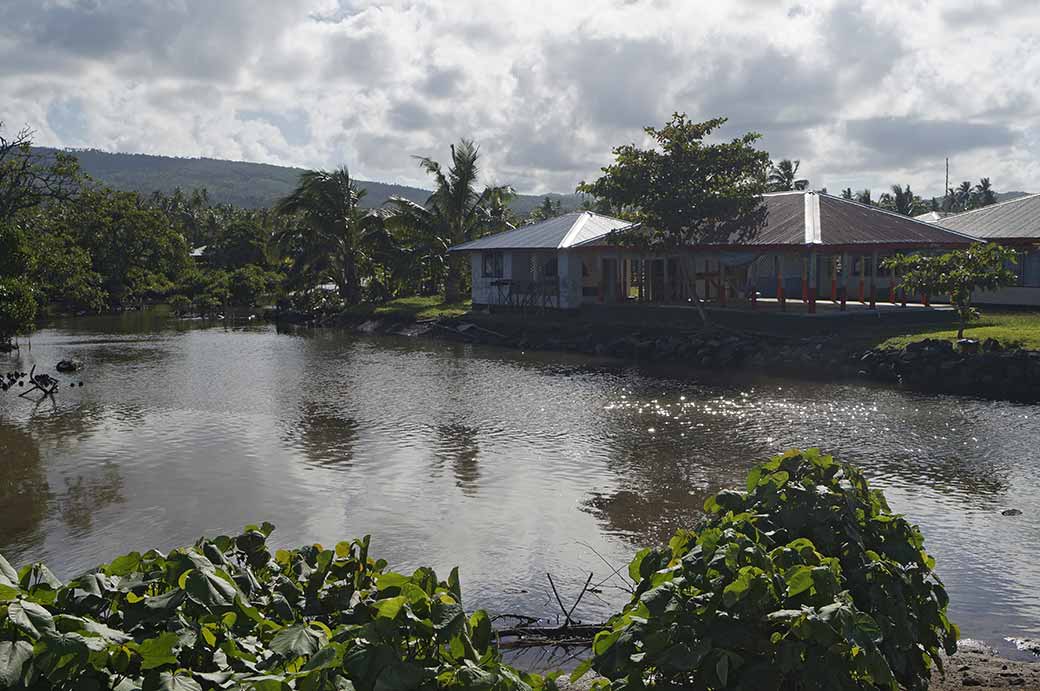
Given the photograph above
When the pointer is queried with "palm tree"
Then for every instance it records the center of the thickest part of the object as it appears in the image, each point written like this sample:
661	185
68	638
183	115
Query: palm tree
863	197
903	201
847	193
962	196
984	193
782	175
454	213
334	237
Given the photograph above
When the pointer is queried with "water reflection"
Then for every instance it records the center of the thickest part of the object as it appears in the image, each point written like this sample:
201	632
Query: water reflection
458	444
84	496
325	437
504	463
24	490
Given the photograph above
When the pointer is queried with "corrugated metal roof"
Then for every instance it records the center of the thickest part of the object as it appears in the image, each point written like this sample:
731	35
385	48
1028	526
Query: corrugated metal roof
845	222
815	218
561	232
1017	219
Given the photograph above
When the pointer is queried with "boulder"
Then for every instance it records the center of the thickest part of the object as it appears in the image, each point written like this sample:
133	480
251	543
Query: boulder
69	366
968	345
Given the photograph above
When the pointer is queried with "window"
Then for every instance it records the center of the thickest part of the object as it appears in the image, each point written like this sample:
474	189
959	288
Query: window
492	264
550	269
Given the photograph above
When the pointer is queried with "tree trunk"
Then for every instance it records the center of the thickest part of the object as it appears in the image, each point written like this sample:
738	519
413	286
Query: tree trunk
690	269
453	281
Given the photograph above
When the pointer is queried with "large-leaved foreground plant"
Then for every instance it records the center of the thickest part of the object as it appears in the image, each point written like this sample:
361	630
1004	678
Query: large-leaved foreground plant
805	581
228	614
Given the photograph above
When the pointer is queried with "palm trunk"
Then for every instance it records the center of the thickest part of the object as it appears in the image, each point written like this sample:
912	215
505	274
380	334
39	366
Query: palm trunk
453	281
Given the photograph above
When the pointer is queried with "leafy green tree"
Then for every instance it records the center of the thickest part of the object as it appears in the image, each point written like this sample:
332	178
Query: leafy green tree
685	191
29	178
132	245
957	274
241	238
28	181
250	284
332	236
18	306
63	273
549	208
847	194
783	175
863	197
455	213
180	304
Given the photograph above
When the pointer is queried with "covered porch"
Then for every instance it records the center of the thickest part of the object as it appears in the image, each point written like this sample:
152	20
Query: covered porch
780	279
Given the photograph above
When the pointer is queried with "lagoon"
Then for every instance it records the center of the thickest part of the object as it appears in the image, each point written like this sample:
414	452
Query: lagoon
508	464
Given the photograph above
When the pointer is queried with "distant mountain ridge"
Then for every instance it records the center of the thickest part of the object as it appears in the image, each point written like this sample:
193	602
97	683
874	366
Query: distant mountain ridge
244	184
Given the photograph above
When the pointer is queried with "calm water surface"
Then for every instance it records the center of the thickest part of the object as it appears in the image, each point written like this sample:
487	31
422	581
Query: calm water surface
507	464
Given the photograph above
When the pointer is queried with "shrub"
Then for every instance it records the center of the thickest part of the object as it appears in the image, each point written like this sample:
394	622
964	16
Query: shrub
806	581
180	304
226	613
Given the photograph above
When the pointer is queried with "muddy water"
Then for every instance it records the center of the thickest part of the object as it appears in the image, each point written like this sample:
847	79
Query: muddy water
508	464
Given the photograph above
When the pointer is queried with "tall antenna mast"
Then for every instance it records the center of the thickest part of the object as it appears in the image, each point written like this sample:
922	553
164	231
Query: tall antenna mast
946	191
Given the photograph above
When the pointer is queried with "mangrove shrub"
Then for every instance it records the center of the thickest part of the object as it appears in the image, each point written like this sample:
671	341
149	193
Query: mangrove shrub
226	613
805	581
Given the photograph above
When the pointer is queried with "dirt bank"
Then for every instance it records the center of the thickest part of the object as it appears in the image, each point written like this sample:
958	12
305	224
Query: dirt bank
975	666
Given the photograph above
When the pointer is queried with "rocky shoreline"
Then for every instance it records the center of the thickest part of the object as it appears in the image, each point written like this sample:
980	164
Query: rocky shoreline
985	370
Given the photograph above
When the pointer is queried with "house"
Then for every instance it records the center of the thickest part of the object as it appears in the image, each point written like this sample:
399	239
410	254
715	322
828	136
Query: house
813	246
1016	224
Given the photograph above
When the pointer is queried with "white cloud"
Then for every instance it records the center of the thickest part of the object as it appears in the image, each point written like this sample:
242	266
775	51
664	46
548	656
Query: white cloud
866	94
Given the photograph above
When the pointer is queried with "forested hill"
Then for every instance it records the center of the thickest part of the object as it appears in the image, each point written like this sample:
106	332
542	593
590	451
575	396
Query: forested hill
249	185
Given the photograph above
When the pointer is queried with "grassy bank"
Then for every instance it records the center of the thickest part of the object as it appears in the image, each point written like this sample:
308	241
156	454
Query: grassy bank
1010	328
413	308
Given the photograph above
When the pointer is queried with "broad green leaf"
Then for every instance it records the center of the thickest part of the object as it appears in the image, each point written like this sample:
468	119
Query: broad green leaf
298	640
799	579
31	618
8	574
13	656
158	651
400	676
207	588
329	656
168	681
388	608
8	592
124	565
480	624
722	669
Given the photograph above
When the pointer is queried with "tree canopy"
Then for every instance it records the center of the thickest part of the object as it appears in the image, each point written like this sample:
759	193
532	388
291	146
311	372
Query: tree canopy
685	190
957	274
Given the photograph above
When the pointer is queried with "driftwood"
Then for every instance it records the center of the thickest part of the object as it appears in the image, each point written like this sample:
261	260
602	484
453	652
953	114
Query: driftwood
527	634
41	382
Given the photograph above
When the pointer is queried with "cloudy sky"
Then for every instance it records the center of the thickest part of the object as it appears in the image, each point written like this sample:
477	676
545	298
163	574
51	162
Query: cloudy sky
865	93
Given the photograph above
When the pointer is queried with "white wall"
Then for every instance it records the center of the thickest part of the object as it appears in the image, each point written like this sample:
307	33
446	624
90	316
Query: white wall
482	292
1026	297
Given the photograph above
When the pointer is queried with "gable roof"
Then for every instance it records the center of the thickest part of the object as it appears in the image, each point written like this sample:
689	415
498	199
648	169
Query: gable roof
556	233
1017	219
814	218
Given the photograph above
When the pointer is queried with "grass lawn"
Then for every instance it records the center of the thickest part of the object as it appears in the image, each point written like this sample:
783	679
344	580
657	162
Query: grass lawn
1010	328
412	308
